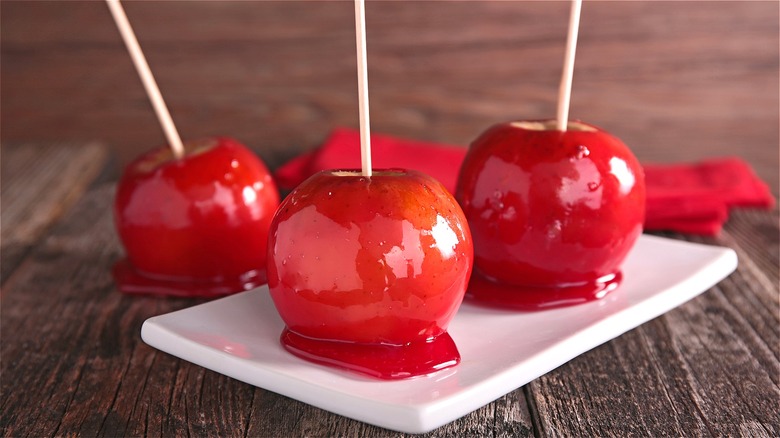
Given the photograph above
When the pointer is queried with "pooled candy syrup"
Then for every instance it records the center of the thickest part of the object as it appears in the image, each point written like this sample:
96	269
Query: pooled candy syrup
381	361
130	281
489	292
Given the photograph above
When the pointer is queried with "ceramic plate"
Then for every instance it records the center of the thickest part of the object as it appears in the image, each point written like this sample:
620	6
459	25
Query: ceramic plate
238	336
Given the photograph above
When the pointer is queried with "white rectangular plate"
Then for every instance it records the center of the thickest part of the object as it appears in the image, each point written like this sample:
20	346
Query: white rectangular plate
238	336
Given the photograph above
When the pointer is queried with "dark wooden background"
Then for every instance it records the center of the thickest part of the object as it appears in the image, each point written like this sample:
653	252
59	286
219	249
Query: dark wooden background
676	80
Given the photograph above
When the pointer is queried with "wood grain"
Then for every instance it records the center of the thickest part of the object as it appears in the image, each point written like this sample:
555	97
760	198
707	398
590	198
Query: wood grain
95	377
709	367
757	235
75	338
75	364
677	81
38	183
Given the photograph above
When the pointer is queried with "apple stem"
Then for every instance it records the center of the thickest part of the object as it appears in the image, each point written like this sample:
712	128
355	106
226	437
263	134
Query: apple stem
163	116
365	124
564	91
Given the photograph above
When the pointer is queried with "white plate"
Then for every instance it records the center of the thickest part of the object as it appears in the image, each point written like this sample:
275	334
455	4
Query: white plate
238	336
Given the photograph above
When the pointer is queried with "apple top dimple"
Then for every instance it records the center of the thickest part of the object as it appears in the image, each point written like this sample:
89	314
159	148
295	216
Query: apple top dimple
359	173
551	125
157	157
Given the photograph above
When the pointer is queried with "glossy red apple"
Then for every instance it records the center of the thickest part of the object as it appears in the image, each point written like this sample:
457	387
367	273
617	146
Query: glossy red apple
553	213
195	226
367	272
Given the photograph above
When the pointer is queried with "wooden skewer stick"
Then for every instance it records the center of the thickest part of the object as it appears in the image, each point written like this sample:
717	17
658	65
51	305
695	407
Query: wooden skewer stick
365	124
164	117
564	92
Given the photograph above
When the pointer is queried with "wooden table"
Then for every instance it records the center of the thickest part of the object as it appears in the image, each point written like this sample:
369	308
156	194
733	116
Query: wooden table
73	361
676	80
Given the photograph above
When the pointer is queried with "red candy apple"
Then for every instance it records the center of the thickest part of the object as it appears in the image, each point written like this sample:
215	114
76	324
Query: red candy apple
367	272
553	213
195	226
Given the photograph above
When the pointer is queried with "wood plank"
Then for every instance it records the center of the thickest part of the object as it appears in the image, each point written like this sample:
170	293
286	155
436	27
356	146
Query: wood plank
509	416
95	376
38	183
709	367
757	234
76	343
617	390
692	365
280	75
653	73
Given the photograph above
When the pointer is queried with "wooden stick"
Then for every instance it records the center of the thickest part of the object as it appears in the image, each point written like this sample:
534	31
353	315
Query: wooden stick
564	91
365	124
164	117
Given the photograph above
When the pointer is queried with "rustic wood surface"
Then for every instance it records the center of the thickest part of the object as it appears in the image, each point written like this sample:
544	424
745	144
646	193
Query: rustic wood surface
61	174
73	362
676	80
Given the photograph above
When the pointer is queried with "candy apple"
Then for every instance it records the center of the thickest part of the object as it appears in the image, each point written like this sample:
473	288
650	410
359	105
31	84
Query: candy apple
553	213
367	272
195	226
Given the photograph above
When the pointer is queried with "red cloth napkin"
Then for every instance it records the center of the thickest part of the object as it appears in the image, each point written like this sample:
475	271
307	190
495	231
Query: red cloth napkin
687	198
696	198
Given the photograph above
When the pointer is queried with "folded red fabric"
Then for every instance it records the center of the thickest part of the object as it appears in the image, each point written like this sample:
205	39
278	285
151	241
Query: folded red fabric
688	198
695	198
